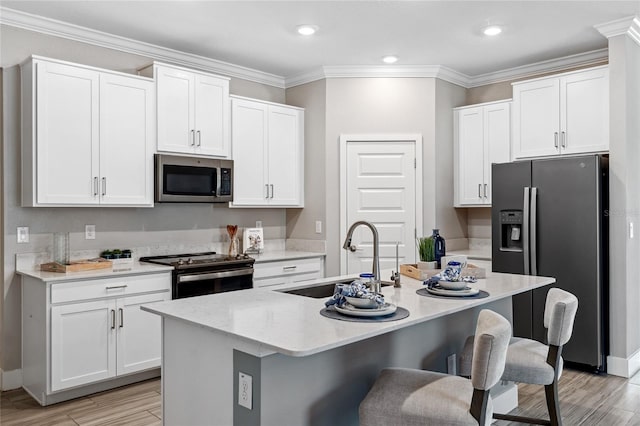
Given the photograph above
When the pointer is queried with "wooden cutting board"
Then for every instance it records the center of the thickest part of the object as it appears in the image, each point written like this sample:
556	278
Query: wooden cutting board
77	265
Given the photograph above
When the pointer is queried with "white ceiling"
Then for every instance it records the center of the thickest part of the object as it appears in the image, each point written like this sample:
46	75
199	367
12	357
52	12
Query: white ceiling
261	34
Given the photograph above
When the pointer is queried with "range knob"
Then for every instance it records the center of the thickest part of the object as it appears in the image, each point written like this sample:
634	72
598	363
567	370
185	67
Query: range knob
189	261
180	262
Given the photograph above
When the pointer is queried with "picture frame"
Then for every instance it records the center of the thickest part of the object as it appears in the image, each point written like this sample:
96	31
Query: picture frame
253	240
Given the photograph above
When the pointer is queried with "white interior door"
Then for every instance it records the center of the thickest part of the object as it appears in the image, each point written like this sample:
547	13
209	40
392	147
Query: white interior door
381	186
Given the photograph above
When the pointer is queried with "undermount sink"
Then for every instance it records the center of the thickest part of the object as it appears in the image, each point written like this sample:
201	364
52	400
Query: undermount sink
324	290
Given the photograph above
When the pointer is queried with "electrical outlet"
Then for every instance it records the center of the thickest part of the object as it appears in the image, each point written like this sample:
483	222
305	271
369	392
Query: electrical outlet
452	367
258	224
89	232
22	234
245	390
318	227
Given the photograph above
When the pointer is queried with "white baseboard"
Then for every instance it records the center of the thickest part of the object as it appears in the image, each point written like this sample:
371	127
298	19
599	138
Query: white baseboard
10	379
624	367
507	400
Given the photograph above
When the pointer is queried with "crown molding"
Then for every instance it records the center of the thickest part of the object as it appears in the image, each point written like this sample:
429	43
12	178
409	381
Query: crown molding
14	18
593	57
57	28
380	71
626	26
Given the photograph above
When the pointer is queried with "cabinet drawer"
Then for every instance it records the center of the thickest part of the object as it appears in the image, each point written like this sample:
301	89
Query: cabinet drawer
287	279
287	267
110	287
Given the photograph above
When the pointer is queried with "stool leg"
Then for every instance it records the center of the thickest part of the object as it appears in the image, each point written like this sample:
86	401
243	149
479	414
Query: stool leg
553	406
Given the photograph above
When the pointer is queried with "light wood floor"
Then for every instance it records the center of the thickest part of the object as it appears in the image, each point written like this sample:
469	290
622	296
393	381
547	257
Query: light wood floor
585	399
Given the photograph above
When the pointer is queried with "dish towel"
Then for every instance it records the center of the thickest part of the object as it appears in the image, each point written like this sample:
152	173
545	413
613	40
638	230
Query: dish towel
356	289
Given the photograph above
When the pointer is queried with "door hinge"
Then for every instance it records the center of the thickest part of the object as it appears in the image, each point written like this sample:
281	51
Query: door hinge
415	163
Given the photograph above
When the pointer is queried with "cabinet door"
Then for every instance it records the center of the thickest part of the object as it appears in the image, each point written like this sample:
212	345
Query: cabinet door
285	156
176	115
212	116
127	130
497	141
470	156
249	135
536	118
585	112
83	341
139	333
67	134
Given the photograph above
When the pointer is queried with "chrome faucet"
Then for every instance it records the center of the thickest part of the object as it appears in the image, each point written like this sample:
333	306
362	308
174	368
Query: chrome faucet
375	286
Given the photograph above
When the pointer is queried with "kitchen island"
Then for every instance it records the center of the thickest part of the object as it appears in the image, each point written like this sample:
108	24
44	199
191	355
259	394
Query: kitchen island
305	368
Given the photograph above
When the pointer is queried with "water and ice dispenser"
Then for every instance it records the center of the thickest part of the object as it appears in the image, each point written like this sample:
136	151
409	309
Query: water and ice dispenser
511	230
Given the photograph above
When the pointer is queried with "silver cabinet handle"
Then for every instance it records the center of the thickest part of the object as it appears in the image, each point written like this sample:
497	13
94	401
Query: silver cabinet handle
485	190
104	186
95	186
271	190
563	139
266	185
479	190
113	319
121	311
199	138
115	287
193	137
289	268
555	139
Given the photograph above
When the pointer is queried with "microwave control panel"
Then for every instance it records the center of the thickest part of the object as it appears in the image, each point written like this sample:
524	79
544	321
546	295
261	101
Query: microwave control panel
225	182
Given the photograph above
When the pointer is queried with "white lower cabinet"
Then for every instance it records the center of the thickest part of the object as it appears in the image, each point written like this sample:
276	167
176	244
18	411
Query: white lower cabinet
92	331
287	271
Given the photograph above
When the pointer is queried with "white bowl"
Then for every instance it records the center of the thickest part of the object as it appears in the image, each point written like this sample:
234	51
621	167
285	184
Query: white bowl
362	303
452	285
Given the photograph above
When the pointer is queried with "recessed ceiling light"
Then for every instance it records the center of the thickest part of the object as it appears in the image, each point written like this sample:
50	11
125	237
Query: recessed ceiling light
307	29
390	59
492	30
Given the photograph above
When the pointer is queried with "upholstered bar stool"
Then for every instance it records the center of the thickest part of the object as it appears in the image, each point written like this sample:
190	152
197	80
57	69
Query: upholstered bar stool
402	396
529	361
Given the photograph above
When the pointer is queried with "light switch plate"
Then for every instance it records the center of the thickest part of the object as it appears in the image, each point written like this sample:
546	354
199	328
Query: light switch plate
22	234
245	389
258	224
89	232
318	227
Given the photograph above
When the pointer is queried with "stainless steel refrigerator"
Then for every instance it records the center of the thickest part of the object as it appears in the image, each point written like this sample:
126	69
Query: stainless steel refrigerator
549	218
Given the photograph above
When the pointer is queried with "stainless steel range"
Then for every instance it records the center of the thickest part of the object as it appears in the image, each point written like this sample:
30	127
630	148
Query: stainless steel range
197	274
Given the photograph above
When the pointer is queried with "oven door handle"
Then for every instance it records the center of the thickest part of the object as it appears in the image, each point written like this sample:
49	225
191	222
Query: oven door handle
213	275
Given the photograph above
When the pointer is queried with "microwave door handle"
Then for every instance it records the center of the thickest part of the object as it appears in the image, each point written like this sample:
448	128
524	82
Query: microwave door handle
213	275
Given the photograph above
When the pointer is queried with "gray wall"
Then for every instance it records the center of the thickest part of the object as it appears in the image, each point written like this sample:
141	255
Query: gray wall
391	105
116	227
624	205
301	222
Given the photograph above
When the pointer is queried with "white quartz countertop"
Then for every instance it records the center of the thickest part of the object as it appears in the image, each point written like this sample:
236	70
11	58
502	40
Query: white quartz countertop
137	268
272	256
292	324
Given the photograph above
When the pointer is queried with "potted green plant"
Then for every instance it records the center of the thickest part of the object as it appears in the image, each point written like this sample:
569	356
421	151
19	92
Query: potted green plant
117	253
126	253
427	252
106	254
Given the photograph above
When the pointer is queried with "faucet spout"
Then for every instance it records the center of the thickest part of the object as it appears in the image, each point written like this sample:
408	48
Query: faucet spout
375	269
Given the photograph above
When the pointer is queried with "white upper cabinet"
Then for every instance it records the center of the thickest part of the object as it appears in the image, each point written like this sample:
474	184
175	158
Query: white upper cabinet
268	150
87	137
481	135
563	114
193	111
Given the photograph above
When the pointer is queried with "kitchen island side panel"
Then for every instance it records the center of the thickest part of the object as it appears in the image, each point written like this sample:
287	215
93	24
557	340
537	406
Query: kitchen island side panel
324	388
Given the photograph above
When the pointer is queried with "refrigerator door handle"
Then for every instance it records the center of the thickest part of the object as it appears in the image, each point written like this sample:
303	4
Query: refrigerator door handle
525	231
533	231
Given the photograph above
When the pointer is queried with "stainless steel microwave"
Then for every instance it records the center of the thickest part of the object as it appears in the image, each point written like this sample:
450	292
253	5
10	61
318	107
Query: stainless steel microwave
193	179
